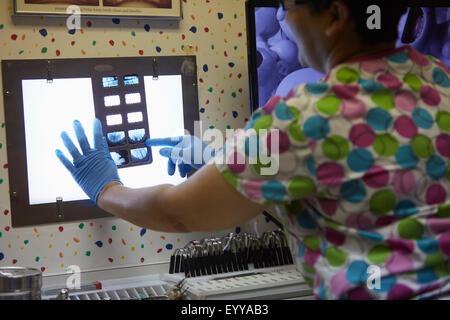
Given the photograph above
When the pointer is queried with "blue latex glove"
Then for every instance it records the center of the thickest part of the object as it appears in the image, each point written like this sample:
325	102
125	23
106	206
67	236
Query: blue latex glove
93	169
186	152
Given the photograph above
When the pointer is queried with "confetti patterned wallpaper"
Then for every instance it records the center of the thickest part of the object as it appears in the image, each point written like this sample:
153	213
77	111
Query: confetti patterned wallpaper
214	31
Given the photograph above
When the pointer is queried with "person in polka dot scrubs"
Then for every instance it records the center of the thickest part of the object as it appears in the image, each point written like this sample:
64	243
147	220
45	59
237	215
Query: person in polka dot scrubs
356	166
363	175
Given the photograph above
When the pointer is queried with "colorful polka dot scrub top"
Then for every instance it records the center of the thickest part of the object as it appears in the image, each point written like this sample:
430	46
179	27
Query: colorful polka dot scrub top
362	179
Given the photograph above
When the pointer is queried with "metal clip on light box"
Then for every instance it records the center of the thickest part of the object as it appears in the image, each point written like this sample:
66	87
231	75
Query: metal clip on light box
49	72
59	210
155	70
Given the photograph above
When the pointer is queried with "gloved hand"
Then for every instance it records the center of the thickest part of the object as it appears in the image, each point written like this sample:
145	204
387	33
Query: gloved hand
95	168
185	151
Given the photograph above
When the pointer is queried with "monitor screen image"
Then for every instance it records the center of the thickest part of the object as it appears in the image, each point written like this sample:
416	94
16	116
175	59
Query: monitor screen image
274	67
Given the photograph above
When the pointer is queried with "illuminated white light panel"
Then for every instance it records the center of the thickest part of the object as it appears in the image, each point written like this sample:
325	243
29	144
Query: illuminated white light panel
55	106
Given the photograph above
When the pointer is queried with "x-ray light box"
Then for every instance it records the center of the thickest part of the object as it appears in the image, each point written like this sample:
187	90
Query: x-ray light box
135	99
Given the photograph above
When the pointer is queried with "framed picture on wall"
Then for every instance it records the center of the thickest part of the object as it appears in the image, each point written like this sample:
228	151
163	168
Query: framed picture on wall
156	9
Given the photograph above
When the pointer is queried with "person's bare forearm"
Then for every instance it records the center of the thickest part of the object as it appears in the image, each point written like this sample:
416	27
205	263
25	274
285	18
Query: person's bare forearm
143	207
205	202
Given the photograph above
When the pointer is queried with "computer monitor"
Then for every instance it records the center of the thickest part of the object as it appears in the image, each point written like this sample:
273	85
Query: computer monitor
274	68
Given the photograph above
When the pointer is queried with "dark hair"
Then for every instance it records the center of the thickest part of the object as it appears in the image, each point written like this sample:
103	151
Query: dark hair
391	12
